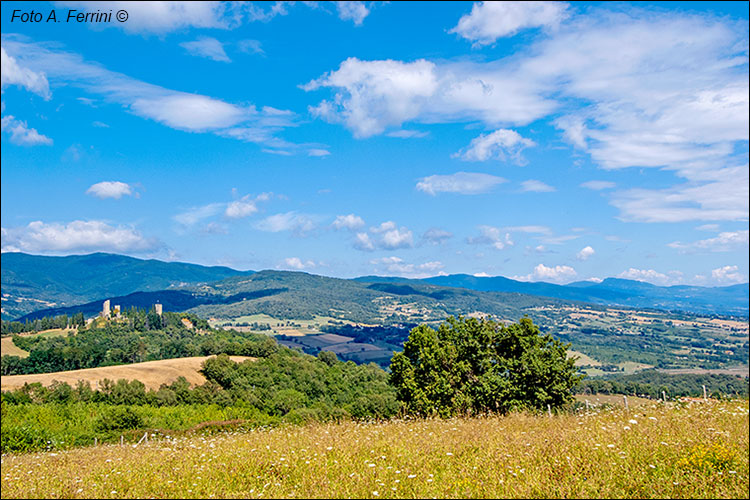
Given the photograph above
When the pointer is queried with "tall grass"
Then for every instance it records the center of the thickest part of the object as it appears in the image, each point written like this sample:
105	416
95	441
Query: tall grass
654	451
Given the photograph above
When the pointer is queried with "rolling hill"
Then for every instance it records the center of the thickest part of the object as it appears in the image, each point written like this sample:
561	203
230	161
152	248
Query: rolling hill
33	282
731	300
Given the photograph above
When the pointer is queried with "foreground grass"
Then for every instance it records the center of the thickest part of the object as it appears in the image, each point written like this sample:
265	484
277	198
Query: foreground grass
698	451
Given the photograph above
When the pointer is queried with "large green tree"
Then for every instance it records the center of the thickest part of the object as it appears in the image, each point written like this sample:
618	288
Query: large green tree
476	366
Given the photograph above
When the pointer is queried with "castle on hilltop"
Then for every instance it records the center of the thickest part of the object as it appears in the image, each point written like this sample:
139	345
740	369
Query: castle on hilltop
108	313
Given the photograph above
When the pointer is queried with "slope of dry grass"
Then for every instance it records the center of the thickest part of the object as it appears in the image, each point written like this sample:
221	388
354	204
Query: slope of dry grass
151	373
657	451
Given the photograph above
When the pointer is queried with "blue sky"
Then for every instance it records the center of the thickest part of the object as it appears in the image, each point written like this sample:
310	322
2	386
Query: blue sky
542	141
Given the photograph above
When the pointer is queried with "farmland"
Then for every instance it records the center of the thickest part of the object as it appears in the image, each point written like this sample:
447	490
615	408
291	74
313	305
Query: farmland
654	450
152	373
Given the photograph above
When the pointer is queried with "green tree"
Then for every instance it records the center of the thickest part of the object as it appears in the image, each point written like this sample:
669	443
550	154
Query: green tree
476	366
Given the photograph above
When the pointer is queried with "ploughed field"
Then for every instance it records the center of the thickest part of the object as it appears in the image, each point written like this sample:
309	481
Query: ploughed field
152	373
692	450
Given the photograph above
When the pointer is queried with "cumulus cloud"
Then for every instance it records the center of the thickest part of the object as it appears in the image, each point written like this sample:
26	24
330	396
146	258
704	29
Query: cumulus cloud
648	275
350	222
493	236
436	236
489	21
554	274
585	253
377	94
299	224
386	236
724	242
352	11
250	46
460	182
677	100
728	275
362	241
11	73
499	145
110	189
534	186
243	207
297	263
197	214
207	47
76	236
397	265
598	185
21	134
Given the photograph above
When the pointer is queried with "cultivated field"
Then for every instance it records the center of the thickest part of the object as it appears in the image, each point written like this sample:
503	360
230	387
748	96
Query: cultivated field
8	348
151	373
653	451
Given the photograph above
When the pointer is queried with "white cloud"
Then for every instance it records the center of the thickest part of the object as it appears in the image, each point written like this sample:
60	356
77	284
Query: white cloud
398	266
529	229
173	108
207	47
250	46
490	235
362	241
11	73
380	93
676	99
198	214
297	263
481	275
534	186
648	275
436	236
728	275
408	134
320	153
585	253
460	182
350	222
352	11
499	145
21	134
386	236
489	21
243	207
598	185
397	238
724	242
299	224
708	227
110	189
554	274
163	17
76	236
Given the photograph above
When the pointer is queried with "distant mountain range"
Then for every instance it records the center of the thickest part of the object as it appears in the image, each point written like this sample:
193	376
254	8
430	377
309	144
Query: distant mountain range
52	285
33	282
732	300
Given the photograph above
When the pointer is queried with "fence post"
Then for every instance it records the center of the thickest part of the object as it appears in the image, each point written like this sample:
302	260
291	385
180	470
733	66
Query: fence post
122	439
626	401
549	410
95	441
705	397
587	405
664	396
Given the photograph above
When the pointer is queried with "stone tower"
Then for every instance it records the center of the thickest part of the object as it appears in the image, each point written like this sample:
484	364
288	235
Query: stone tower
105	309
158	309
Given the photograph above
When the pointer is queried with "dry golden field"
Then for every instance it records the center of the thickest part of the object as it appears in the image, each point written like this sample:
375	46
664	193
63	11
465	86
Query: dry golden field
151	373
698	450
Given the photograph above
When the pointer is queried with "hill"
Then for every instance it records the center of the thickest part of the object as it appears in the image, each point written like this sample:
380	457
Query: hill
33	282
152	373
728	300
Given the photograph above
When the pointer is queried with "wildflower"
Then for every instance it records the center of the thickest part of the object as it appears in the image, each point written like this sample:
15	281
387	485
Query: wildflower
633	421
411	476
375	493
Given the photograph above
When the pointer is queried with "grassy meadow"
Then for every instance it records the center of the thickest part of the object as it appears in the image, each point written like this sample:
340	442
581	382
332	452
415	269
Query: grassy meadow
696	450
